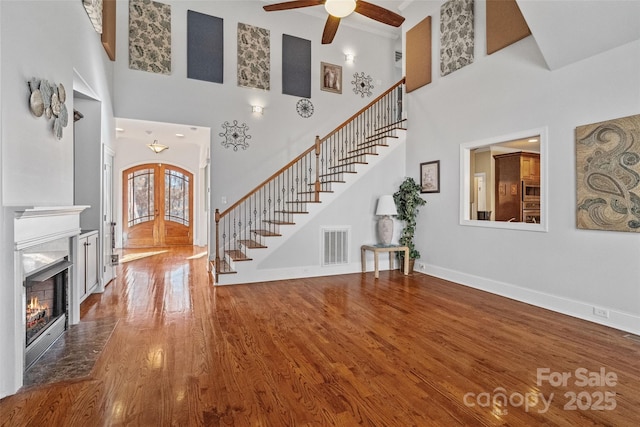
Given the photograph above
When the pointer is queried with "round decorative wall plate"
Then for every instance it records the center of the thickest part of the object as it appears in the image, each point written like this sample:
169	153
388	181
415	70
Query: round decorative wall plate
304	107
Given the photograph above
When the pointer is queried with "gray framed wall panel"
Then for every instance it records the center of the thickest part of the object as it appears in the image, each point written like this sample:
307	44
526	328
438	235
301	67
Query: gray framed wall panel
205	47
296	66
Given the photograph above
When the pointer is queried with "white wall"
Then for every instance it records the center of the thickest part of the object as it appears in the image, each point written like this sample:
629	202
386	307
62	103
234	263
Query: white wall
45	39
565	269
280	133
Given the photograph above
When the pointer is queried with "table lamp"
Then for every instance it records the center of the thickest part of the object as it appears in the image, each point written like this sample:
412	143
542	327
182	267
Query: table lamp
386	208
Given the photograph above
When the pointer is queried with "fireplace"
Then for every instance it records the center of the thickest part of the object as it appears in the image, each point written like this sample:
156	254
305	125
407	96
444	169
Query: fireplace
46	272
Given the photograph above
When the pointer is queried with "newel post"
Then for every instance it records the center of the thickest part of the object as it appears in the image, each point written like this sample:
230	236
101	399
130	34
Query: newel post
317	185
217	262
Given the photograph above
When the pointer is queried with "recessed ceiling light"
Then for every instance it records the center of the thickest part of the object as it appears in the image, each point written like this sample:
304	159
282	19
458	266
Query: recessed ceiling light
193	128
119	130
148	132
533	140
180	135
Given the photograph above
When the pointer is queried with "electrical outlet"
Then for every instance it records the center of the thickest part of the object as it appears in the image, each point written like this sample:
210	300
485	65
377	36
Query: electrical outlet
601	312
420	266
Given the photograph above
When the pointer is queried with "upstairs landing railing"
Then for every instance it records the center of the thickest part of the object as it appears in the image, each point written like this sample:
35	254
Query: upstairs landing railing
275	201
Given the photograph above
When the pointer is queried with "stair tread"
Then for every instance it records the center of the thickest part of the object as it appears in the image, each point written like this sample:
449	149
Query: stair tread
348	164
266	233
237	255
313	192
252	244
278	222
355	156
371	139
225	268
391	125
295	212
366	147
302	201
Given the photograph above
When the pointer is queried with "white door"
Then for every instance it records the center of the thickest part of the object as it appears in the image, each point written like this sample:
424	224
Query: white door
108	224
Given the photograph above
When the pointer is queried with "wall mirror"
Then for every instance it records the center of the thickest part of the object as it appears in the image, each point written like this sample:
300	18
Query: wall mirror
503	181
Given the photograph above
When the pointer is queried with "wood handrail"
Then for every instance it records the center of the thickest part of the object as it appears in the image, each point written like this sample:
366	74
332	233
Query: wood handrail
309	150
362	110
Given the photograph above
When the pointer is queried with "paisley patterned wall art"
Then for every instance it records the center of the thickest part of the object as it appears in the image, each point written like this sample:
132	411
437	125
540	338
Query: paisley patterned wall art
48	100
608	175
456	35
254	57
94	10
235	135
362	85
150	36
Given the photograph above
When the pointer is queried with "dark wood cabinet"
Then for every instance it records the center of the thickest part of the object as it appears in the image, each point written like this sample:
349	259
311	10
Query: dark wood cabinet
512	170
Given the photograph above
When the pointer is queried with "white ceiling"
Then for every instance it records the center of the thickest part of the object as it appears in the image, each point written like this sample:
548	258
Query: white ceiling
568	31
145	132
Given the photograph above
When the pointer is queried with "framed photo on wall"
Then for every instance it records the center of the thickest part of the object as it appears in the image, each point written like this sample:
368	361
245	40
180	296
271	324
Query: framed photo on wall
330	77
430	177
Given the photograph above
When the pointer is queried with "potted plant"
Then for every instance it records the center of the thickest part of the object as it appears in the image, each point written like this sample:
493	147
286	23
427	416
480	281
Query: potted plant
408	201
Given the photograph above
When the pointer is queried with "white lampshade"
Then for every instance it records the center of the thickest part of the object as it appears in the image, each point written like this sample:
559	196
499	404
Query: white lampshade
386	206
340	8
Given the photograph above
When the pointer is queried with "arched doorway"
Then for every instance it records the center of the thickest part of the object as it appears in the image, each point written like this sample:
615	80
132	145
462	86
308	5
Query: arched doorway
157	206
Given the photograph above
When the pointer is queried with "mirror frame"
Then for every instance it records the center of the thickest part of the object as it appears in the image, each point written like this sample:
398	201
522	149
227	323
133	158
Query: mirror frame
465	180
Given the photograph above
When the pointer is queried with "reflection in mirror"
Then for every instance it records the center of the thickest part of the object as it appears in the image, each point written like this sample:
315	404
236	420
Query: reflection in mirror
503	182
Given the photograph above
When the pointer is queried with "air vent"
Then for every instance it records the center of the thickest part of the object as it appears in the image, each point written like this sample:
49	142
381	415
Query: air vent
398	55
335	246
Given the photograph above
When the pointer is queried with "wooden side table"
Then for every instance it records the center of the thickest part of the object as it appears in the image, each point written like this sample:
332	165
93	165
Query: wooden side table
376	250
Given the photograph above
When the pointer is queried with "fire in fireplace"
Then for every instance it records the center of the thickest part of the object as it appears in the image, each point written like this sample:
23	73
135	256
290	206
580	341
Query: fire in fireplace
46	307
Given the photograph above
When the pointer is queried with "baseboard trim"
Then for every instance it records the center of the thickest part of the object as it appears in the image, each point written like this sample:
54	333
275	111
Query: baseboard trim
617	319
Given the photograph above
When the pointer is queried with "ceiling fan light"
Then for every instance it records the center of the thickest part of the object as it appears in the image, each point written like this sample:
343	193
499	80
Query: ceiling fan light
340	8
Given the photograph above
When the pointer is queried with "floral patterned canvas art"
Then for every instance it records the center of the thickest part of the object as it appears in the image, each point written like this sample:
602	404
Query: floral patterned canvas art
150	36
456	35
254	57
608	175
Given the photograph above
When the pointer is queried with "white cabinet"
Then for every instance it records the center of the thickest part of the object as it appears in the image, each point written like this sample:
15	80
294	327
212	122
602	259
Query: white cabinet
88	263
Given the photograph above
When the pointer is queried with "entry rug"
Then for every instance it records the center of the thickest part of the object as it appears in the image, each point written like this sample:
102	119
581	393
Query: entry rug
73	355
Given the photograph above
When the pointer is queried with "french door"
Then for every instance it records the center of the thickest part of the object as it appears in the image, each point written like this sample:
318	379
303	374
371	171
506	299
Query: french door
158	206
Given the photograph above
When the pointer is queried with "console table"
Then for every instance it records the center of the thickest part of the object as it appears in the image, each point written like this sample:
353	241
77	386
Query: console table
376	250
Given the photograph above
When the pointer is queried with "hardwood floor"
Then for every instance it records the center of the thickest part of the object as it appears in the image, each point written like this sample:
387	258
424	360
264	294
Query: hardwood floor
342	350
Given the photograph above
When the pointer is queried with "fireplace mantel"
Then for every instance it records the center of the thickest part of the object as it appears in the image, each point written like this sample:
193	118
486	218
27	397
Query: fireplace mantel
39	224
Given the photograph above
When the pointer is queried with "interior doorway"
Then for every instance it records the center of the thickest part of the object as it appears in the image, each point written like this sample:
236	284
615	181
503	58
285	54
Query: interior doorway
157	206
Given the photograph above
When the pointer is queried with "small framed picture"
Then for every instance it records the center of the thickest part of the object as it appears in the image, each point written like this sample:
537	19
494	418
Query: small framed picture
430	177
330	77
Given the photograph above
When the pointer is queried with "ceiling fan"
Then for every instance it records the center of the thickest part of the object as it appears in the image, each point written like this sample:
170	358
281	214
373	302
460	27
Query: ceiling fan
338	9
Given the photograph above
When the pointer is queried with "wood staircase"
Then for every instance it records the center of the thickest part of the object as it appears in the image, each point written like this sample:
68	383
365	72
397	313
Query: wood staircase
257	217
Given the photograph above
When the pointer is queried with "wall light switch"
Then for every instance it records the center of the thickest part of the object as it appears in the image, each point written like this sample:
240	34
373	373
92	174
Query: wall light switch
223	199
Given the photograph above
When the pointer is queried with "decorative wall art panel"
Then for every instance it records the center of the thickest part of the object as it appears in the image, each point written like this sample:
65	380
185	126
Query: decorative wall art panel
48	99
235	135
419	55
254	57
150	36
296	66
94	10
456	35
608	175
362	84
505	24
205	47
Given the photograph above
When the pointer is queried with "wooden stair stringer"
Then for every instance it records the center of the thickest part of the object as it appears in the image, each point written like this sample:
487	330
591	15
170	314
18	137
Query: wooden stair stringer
258	269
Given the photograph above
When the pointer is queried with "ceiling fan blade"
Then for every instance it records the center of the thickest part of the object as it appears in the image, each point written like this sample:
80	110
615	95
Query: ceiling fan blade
292	5
330	29
378	13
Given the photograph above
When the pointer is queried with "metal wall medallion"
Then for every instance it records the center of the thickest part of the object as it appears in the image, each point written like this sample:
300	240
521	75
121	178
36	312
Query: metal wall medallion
304	107
48	100
235	135
362	85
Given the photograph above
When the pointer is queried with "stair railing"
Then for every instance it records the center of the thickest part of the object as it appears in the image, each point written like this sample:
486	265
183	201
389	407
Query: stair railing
285	193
